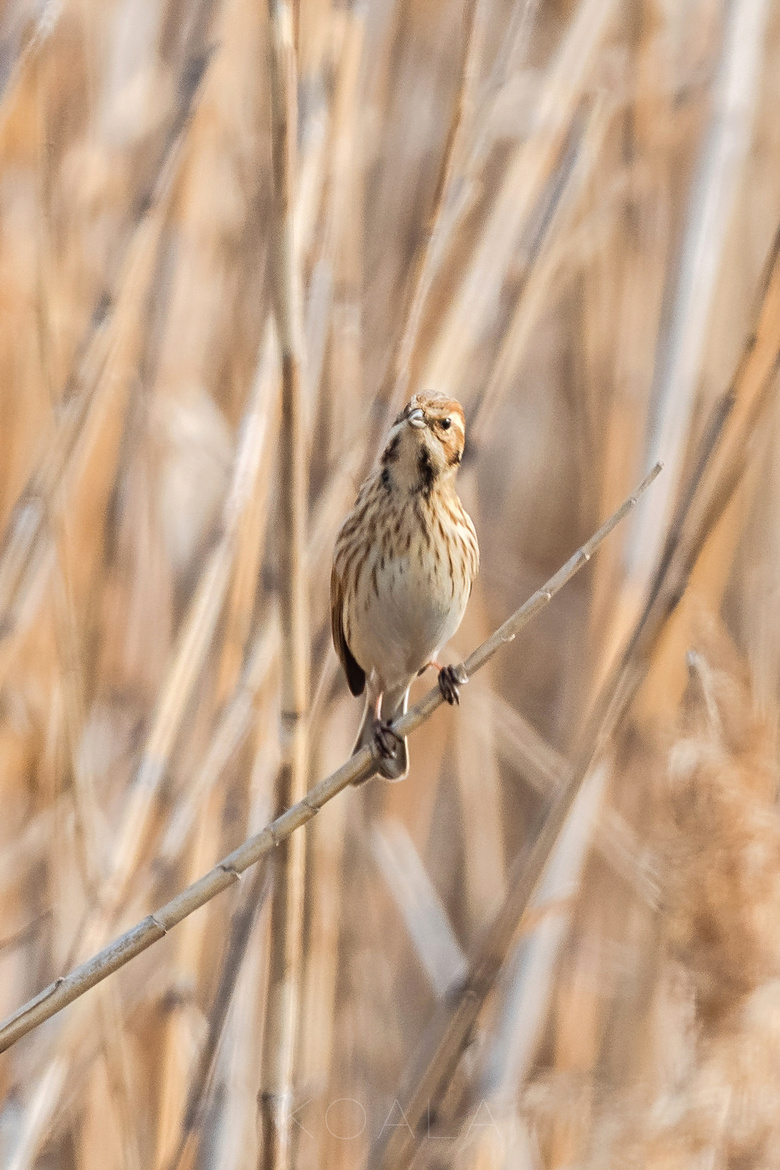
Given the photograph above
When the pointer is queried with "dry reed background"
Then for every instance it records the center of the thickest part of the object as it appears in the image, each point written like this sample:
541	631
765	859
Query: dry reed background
560	213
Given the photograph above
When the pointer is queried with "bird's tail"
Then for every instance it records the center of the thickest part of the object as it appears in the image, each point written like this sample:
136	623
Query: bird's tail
394	704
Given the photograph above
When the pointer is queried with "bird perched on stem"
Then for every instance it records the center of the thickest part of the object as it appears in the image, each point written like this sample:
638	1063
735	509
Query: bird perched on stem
403	566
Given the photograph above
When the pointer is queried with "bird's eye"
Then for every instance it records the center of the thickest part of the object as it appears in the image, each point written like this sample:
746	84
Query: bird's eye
446	423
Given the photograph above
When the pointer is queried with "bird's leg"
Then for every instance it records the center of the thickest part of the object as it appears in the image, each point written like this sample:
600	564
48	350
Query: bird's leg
450	679
386	741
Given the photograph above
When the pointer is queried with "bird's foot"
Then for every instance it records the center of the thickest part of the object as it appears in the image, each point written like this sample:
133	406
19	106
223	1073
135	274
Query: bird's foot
451	678
388	745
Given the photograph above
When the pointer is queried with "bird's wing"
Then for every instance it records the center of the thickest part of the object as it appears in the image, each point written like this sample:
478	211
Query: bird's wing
356	676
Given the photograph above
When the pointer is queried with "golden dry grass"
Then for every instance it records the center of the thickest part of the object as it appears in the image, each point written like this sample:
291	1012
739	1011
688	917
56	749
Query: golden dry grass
560	213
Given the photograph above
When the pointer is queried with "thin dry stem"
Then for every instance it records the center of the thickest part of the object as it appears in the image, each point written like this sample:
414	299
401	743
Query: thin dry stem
359	767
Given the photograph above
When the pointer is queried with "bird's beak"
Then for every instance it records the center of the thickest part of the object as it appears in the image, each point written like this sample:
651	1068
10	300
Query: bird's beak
416	418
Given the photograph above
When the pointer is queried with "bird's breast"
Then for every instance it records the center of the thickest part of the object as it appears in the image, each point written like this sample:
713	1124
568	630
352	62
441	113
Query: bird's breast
411	599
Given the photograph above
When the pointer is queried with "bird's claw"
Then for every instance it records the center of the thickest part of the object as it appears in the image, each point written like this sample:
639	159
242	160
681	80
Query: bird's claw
450	679
387	743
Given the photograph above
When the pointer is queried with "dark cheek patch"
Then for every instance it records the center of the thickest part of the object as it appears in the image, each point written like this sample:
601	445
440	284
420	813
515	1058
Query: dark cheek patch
454	457
390	453
427	472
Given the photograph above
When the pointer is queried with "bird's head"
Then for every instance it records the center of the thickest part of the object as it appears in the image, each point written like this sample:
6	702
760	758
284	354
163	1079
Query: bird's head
426	442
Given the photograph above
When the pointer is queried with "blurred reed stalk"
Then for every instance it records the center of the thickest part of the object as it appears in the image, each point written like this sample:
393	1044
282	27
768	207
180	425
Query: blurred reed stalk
711	201
282	1016
433	242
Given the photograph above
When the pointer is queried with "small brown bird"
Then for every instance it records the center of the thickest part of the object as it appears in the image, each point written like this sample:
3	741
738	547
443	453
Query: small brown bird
403	566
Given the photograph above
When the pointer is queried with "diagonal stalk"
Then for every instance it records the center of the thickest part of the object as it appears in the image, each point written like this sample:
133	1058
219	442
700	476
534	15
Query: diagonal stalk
361	766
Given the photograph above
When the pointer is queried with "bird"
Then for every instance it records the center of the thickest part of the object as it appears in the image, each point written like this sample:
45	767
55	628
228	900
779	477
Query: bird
404	564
